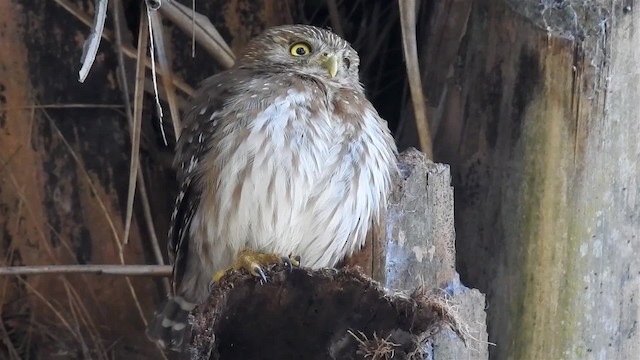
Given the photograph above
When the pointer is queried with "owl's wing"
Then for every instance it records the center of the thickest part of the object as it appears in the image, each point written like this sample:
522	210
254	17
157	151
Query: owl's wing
200	123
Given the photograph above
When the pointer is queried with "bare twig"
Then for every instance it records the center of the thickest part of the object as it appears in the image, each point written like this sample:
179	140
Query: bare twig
119	270
64	106
203	31
91	45
409	43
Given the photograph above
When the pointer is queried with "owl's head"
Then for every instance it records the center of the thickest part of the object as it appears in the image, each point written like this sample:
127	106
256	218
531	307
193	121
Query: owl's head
304	49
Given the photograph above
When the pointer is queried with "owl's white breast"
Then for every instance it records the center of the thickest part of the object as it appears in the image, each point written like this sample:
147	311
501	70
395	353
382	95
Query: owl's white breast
295	182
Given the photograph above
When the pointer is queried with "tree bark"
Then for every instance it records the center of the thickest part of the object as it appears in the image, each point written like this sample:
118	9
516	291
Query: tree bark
415	246
538	117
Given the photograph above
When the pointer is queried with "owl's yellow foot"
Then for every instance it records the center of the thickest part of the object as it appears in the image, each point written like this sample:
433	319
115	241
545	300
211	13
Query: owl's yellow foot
254	261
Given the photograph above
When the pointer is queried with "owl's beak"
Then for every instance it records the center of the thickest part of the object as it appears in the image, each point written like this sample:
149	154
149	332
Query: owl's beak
330	62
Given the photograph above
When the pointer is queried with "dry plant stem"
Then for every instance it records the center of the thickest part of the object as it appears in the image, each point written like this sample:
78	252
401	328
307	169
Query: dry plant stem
334	16
80	317
146	210
55	311
102	207
118	270
75	297
127	50
163	59
6	340
143	37
409	43
144	196
203	31
154	75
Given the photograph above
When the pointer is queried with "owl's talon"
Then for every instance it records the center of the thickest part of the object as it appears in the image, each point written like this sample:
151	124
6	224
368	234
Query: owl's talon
257	272
298	260
290	262
254	262
287	263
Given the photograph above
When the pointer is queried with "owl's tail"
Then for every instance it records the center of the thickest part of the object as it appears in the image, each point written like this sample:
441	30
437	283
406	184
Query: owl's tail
169	326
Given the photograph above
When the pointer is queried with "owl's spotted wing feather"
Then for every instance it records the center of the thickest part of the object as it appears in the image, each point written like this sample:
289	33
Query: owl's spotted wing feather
201	122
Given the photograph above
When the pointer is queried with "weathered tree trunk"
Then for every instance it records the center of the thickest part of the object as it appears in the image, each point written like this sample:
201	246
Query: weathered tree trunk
539	118
413	253
418	249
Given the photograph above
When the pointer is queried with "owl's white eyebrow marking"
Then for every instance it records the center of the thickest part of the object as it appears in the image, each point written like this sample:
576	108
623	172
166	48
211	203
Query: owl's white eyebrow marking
204	110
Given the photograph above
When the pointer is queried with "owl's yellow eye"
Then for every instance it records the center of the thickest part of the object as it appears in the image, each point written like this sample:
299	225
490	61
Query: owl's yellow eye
300	49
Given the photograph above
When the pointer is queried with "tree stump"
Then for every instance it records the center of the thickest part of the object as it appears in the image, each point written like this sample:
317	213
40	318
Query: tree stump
344	314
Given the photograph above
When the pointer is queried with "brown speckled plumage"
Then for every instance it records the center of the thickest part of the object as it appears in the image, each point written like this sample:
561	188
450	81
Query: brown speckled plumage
277	155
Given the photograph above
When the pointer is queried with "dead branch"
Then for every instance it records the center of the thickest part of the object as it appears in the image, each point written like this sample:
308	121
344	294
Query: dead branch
120	270
409	43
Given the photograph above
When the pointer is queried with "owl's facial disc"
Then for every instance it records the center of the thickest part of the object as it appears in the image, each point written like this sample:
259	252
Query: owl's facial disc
304	50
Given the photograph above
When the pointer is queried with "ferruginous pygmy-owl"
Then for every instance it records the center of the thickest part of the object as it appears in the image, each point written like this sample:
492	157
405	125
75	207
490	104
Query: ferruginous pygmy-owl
282	154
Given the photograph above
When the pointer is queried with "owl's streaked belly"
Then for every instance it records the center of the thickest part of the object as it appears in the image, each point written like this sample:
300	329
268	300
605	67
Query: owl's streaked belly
304	187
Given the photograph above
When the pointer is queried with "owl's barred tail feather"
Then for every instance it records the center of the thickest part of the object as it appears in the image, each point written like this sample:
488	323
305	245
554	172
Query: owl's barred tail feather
169	326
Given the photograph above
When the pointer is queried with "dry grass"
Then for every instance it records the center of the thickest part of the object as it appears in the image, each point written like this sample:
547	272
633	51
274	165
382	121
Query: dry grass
376	348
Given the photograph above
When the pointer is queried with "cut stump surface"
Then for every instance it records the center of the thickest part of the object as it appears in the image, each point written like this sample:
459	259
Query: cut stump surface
312	314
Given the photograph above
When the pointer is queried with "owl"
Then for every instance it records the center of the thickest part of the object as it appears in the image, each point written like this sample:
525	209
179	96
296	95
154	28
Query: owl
281	155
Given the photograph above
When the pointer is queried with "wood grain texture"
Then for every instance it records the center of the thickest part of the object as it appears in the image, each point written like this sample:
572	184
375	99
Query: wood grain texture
539	122
417	248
